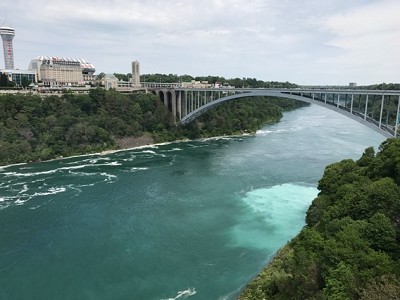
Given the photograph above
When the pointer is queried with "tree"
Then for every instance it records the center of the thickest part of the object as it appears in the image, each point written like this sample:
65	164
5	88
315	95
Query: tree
340	283
384	287
367	157
101	75
3	80
381	234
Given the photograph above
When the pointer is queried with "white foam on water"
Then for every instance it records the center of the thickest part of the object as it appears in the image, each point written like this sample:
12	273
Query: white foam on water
114	163
21	201
50	191
24	189
132	158
23	198
12	165
172	150
16	174
97	159
83	173
183	294
88	184
149	151
26	168
264	132
53	171
275	216
73	167
139	169
38	180
75	188
109	177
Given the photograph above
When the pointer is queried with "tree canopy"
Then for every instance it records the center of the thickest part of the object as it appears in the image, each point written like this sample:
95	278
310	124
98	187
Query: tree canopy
34	128
236	82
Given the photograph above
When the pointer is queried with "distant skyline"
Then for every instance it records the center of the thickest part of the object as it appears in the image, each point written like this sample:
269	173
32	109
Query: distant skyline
305	42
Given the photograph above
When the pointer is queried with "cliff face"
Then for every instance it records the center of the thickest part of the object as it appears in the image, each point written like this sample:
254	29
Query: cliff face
131	142
350	246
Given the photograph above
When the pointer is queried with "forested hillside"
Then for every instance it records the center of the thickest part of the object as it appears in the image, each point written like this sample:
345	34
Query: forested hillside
34	128
350	246
246	115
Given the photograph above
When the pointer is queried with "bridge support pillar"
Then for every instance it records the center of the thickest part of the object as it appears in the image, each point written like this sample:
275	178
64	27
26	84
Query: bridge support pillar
366	108
173	100
380	116
183	103
351	105
165	99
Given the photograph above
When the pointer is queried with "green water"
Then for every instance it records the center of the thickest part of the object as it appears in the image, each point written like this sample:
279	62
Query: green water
192	220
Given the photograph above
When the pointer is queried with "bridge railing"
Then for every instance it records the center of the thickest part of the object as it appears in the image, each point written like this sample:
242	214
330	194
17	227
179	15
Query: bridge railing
377	107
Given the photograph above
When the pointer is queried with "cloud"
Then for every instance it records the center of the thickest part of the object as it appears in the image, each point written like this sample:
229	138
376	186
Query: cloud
371	33
311	41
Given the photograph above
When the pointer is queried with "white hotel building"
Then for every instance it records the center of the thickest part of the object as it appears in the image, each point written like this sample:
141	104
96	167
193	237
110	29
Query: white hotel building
57	71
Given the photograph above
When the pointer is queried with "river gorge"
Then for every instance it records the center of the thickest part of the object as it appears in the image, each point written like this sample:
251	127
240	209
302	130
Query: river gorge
194	220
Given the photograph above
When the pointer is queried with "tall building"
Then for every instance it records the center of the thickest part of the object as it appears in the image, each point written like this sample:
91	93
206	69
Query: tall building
135	74
7	35
58	71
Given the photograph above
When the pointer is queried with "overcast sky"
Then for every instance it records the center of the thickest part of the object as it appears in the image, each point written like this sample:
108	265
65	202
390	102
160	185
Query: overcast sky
304	42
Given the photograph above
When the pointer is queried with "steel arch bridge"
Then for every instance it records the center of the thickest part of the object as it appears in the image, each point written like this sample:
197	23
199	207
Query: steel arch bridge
377	109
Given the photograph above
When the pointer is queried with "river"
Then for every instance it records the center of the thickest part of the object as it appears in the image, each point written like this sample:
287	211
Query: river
193	220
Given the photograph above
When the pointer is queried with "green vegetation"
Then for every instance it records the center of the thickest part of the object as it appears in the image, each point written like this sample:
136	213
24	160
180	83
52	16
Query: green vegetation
383	86
243	116
35	128
349	248
235	82
4	82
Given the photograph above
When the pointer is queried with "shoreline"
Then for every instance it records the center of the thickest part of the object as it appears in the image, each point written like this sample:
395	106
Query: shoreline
129	148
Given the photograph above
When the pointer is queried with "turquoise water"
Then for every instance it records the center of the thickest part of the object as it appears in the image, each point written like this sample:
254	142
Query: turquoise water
193	220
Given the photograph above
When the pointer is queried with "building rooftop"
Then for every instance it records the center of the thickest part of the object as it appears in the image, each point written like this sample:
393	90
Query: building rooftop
84	63
110	77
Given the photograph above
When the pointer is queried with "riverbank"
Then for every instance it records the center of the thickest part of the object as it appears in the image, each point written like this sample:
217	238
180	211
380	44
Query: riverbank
349	246
255	289
132	143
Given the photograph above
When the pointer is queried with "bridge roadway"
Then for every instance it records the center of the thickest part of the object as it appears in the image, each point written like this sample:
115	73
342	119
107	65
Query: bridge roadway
377	109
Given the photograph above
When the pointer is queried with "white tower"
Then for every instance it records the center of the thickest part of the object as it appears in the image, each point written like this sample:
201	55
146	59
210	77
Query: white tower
7	34
135	74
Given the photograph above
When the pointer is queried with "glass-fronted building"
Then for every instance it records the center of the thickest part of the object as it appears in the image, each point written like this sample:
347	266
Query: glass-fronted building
20	77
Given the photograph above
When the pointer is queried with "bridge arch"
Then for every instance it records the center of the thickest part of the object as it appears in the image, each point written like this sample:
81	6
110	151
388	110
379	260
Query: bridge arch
369	122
